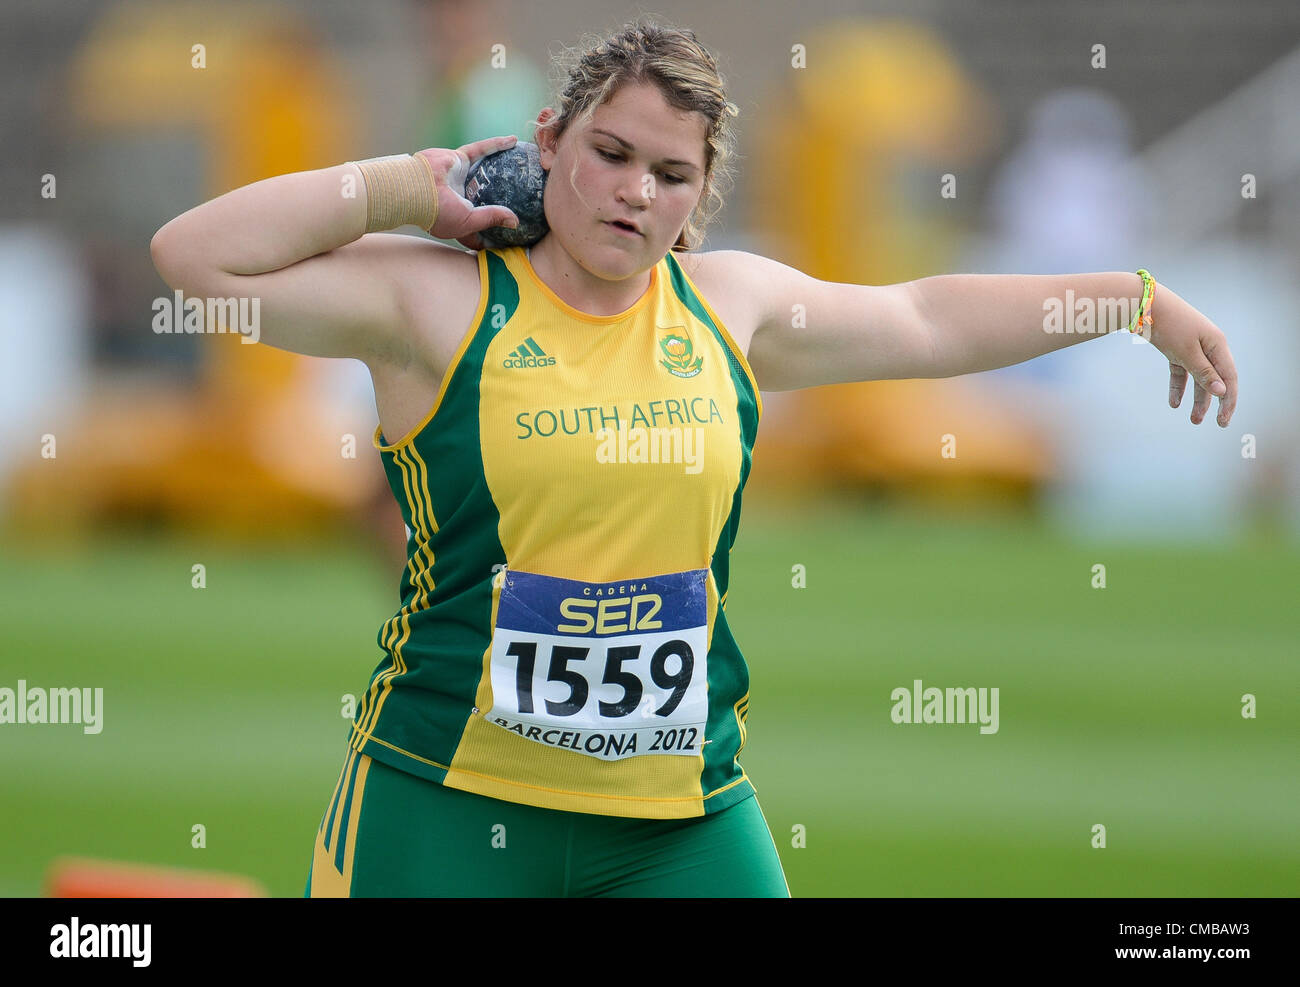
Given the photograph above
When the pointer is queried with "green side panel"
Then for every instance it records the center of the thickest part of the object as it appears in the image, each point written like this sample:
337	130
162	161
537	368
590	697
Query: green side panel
427	709
728	673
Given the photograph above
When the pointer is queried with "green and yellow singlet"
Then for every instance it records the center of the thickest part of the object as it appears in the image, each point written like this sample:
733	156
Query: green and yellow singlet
572	498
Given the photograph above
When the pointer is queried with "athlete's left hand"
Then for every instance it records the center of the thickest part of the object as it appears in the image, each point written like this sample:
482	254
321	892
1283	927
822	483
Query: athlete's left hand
1193	344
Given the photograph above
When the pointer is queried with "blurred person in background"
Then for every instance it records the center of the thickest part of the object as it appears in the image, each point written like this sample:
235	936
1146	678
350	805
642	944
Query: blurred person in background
44	375
520	529
893	118
1069	194
482	84
1074	191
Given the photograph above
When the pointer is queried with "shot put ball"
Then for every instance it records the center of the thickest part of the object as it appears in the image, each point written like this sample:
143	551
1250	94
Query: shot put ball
513	178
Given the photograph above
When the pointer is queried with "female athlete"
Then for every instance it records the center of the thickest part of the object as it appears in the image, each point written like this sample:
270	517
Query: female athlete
567	430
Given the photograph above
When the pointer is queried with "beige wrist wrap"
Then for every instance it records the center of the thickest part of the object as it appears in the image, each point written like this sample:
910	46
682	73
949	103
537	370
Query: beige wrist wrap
400	189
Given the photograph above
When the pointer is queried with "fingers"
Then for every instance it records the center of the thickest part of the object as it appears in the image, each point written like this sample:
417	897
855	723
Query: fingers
485	216
1216	374
489	145
1201	404
1209	378
1218	354
1208	384
1177	384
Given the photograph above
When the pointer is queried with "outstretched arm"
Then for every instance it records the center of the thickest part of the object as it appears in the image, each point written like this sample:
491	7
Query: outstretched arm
812	332
982	321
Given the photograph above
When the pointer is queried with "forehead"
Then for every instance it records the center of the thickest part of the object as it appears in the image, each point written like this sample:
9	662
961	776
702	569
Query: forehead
639	115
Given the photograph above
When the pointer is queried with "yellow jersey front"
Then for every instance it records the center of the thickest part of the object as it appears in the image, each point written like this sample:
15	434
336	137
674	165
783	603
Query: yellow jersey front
572	498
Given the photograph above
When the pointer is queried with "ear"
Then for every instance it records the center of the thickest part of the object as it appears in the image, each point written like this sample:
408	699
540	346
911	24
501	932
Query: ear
546	143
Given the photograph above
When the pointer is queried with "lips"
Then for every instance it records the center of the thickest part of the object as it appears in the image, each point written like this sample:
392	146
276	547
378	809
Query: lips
626	226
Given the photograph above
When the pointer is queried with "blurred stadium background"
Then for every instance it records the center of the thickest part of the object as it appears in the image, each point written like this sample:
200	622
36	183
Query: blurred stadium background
1121	707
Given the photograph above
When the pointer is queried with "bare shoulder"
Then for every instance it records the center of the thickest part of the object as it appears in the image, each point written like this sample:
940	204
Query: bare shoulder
725	279
750	290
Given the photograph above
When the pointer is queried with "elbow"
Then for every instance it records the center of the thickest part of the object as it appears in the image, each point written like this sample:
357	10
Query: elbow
162	239
161	254
178	267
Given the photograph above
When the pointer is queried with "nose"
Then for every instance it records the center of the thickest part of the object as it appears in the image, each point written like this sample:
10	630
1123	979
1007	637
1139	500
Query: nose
635	191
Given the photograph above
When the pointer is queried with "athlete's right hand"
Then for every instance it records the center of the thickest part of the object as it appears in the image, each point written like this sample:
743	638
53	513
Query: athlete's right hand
457	219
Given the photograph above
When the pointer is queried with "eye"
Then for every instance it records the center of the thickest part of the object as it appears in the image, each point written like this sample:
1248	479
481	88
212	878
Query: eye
608	156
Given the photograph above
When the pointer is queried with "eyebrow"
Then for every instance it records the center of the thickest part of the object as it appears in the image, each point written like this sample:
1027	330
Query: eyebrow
671	161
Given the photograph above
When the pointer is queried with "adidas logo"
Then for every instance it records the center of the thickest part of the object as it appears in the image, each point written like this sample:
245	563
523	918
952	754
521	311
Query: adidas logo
527	354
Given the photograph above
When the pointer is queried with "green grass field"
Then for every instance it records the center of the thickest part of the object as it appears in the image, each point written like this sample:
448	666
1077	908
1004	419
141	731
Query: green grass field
1119	706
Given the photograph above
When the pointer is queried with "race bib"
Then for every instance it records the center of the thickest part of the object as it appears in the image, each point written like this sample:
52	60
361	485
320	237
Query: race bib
611	670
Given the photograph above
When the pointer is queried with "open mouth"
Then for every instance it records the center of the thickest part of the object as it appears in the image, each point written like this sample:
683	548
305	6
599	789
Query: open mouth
625	227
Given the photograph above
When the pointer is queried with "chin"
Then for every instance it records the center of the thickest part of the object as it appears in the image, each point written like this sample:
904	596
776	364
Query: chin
609	260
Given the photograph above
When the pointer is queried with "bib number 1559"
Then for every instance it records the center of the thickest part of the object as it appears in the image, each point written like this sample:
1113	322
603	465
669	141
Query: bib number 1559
640	687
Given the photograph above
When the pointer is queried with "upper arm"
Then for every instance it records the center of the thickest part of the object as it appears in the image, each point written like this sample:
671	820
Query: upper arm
810	332
346	302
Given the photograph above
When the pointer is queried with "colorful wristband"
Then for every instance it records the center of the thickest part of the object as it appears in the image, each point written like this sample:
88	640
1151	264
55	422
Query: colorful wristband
1141	321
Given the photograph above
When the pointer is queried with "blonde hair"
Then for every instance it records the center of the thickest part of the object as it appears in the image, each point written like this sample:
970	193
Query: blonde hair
687	75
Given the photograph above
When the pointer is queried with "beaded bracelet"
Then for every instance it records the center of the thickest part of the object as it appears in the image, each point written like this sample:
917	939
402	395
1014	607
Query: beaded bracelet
1142	317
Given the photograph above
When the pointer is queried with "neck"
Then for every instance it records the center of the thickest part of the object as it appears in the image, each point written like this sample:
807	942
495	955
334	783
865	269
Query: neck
578	287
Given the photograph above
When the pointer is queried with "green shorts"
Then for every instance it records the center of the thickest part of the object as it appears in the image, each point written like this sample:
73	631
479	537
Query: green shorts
387	833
